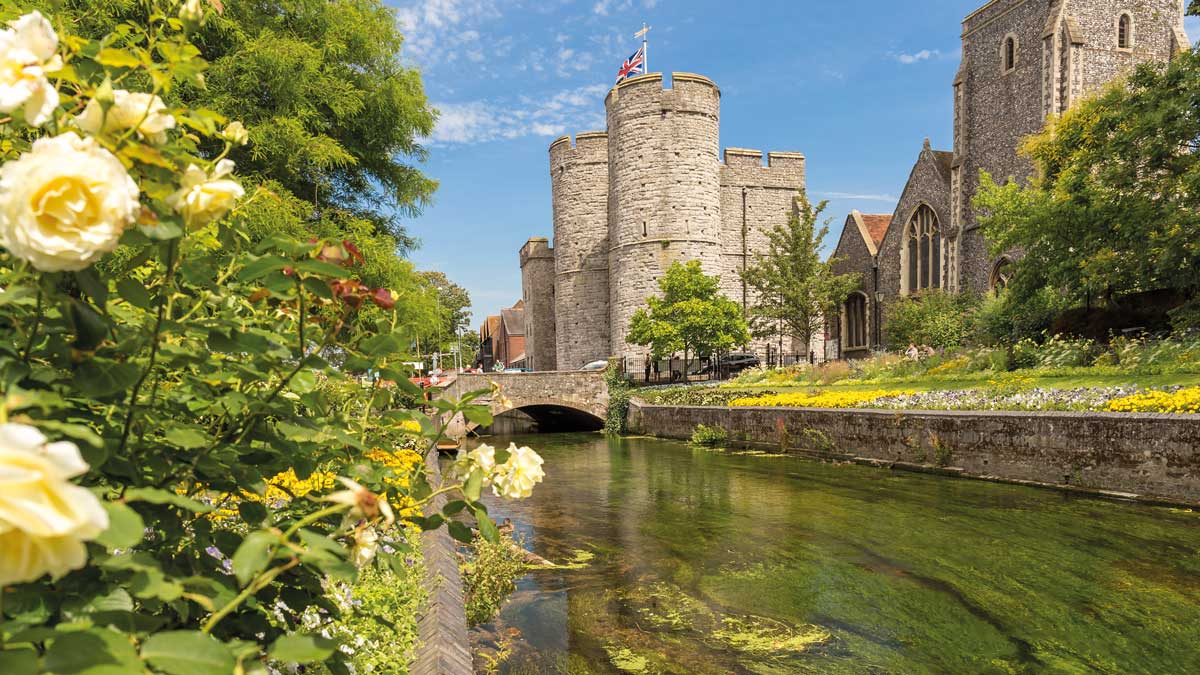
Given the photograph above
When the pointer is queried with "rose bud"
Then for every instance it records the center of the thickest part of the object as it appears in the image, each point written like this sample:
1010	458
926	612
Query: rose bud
383	298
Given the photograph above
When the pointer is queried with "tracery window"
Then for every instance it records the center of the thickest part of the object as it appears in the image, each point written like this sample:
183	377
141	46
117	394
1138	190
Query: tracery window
856	321
923	242
1002	273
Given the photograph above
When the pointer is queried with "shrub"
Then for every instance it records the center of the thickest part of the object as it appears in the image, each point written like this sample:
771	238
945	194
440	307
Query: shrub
620	392
490	573
934	319
1005	318
709	437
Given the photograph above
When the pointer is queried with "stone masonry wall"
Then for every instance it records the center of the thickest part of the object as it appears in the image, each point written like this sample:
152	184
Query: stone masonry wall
853	257
1150	455
537	286
579	184
664	189
754	200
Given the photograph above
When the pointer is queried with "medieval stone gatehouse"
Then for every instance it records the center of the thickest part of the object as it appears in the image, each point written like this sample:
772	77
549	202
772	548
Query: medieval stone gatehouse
1022	62
650	191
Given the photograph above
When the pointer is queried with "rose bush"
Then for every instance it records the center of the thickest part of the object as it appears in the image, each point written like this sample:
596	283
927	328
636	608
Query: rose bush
194	430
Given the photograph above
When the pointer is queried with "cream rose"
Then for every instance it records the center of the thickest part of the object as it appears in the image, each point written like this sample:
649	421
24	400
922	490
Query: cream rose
28	50
65	203
202	198
515	478
366	545
44	518
130	110
236	133
482	458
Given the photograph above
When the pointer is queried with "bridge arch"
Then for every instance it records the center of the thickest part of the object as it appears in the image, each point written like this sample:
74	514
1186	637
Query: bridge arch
548	402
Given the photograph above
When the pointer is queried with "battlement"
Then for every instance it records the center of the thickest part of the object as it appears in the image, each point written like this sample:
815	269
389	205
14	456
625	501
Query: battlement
744	168
535	249
688	92
589	146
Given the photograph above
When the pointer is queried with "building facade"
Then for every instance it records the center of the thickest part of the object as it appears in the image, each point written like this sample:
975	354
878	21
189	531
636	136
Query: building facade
628	202
1023	61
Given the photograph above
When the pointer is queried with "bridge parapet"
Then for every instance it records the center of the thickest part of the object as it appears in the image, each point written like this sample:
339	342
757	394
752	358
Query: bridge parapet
577	391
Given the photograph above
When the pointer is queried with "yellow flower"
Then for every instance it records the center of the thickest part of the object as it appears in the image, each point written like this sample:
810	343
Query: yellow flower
516	477
202	198
1184	401
131	110
65	203
236	133
28	50
834	399
44	518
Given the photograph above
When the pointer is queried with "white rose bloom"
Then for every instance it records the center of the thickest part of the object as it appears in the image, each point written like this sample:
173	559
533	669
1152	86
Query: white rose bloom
130	110
236	133
44	518
366	545
65	203
28	50
515	478
202	198
192	12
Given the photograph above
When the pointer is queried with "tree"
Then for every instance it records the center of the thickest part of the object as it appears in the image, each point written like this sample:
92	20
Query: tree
796	291
1194	8
1114	206
453	303
691	316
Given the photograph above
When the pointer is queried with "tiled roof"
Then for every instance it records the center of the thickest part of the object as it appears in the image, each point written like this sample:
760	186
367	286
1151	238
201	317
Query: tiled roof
877	225
514	320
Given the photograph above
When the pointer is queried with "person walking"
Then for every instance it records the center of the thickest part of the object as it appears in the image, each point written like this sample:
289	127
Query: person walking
648	366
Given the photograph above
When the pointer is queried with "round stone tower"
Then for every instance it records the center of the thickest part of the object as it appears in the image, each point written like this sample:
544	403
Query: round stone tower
664	188
579	184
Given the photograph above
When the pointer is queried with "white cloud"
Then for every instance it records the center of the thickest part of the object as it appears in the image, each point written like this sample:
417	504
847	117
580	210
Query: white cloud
605	7
862	197
428	24
473	122
923	55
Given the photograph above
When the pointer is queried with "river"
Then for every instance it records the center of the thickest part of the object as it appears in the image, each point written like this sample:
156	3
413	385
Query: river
697	562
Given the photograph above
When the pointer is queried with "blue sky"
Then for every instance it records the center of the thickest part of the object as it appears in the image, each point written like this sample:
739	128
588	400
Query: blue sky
855	86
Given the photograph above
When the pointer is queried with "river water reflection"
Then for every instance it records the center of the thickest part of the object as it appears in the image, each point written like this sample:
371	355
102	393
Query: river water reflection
709	563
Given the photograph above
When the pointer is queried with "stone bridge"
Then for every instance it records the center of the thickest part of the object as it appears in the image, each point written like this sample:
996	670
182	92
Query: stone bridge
558	401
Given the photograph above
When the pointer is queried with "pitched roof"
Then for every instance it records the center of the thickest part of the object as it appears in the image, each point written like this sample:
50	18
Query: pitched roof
489	328
514	320
871	227
945	160
877	225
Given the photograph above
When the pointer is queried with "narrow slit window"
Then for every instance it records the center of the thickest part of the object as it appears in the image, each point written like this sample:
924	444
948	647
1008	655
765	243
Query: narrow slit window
1123	32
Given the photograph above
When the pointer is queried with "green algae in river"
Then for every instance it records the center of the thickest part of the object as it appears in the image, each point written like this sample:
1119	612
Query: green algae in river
711	564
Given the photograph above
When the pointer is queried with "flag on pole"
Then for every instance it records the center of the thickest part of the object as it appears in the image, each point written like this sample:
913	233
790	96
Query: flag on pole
634	65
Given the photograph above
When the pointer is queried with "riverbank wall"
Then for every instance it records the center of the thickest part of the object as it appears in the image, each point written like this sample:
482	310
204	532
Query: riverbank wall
1138	456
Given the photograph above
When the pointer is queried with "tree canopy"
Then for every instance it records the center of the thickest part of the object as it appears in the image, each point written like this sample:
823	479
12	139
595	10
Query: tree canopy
795	289
1115	204
691	316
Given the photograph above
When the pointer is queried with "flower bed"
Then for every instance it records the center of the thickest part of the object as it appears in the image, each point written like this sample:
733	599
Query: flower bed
833	399
1183	401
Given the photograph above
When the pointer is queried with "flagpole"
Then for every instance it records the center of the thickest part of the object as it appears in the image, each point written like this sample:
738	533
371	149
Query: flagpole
646	46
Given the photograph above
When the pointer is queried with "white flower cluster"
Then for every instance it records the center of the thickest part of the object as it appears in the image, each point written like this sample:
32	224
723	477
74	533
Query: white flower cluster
514	479
66	203
44	518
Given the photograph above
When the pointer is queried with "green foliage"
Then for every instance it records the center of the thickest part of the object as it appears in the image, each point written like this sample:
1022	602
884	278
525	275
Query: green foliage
709	437
932	319
797	291
619	394
453	302
691	316
1113	209
1007	317
490	575
203	374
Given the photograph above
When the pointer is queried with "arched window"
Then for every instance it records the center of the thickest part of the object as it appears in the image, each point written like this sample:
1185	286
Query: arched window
1010	53
923	242
856	322
1125	32
1002	273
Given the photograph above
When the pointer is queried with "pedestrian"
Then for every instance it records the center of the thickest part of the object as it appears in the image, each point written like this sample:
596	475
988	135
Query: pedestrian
913	353
648	366
655	366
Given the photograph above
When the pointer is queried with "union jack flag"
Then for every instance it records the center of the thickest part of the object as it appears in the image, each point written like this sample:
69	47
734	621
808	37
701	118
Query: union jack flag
634	65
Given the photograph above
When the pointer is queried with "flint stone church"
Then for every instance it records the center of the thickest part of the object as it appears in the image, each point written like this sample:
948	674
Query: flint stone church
1023	61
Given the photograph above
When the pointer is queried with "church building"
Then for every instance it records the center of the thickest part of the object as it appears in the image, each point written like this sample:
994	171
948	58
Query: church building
1023	61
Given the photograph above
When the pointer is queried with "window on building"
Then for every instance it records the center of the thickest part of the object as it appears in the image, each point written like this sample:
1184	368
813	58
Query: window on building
1125	32
1002	273
924	246
1010	53
856	321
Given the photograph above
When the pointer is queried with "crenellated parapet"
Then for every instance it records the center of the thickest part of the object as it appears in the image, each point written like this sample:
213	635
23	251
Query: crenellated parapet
537	248
745	168
589	147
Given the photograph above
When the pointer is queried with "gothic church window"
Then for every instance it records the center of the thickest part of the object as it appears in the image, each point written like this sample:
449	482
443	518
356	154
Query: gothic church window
1010	53
1002	273
923	247
1125	32
856	321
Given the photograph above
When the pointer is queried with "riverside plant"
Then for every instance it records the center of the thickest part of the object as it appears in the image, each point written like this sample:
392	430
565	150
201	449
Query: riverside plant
154	402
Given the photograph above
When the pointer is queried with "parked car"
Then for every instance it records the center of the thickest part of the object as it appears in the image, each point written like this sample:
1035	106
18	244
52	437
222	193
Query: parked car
517	370
594	366
730	363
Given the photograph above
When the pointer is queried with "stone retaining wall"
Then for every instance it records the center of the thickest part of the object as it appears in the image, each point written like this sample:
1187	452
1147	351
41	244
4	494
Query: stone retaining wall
1152	456
442	628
